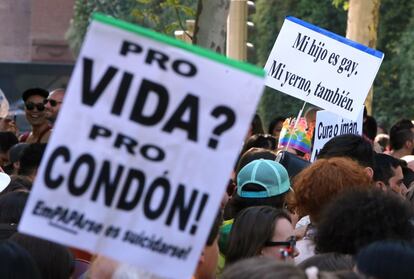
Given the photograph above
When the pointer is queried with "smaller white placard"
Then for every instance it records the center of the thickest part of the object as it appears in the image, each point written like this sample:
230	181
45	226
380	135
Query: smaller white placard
329	125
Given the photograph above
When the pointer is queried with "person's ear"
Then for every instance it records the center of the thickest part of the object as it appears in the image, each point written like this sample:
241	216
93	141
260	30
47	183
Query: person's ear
409	144
16	165
261	252
370	172
381	185
264	251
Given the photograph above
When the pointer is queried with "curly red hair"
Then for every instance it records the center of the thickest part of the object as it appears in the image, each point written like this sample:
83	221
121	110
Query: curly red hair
324	180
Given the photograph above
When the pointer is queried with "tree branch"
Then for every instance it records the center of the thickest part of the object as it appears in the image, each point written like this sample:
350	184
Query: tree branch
181	23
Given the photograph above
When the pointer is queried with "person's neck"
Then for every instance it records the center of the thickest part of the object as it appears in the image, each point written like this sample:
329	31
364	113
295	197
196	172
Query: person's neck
30	177
38	129
400	153
51	121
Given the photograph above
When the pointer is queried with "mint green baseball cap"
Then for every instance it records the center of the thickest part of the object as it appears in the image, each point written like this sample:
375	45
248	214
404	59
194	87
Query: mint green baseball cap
271	175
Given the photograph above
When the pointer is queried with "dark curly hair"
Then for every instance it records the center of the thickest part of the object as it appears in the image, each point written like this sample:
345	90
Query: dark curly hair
359	218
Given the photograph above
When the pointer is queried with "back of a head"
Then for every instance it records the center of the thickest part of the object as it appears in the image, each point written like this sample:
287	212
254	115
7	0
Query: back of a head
265	141
383	140
260	182
400	132
349	145
252	228
7	140
401	124
252	154
274	122
16	262
386	260
53	260
236	204
31	158
400	137
18	183
361	218
369	127
323	181
344	274
263	268
270	175
16	152
257	125
11	207
329	262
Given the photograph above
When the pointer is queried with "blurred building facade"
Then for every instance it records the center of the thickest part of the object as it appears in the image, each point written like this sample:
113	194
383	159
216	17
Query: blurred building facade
34	30
33	49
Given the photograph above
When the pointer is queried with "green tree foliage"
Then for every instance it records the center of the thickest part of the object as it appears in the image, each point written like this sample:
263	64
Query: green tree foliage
393	97
393	86
268	19
393	90
161	15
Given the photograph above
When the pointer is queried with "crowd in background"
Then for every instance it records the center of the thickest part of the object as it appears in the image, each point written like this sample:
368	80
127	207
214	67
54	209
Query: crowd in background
348	214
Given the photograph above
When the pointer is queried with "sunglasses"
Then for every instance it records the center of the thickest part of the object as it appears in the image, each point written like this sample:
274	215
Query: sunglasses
52	102
38	106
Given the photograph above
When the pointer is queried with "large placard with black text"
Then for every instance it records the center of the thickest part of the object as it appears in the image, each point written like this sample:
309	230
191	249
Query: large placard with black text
143	148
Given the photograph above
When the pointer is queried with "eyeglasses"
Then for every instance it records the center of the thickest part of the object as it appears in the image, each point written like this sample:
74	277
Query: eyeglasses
289	251
52	102
290	243
38	106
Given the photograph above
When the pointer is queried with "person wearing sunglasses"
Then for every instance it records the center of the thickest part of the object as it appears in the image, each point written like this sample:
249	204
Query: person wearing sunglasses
261	231
53	103
34	99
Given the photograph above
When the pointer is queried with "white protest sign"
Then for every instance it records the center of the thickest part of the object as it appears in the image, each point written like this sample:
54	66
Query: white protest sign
322	68
143	148
329	125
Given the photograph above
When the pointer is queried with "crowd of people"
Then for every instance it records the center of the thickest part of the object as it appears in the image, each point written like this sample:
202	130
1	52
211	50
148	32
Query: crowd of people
348	214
